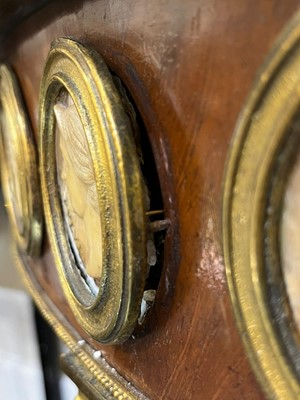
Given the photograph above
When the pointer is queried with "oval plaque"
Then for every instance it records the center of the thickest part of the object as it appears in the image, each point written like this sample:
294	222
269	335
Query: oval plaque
264	150
19	168
93	192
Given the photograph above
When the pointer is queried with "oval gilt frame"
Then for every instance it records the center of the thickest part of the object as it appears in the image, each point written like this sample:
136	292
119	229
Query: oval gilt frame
262	153
110	316
19	167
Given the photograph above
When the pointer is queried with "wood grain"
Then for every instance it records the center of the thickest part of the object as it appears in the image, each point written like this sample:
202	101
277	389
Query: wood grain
189	67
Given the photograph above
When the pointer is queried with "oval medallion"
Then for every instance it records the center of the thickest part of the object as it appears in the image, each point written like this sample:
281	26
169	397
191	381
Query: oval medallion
93	192
259	242
19	167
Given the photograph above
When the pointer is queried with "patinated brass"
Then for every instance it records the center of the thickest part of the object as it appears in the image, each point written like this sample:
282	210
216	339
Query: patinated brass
89	386
109	313
81	396
106	382
263	151
19	167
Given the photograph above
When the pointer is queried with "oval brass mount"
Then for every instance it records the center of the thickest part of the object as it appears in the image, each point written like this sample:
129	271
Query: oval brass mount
263	151
20	180
109	314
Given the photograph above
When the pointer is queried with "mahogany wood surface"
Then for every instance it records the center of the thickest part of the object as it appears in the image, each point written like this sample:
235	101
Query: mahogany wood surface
189	66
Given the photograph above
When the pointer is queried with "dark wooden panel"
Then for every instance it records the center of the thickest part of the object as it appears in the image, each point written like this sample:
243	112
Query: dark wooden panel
13	12
188	66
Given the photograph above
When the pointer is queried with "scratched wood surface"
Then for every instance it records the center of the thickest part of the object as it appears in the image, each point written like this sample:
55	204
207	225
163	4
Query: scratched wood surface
189	67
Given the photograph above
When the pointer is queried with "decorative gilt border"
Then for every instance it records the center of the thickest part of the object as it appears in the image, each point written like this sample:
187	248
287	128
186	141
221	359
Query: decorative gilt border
110	384
253	188
111	316
26	178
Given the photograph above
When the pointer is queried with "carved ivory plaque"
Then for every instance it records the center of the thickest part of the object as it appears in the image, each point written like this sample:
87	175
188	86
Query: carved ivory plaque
290	237
78	192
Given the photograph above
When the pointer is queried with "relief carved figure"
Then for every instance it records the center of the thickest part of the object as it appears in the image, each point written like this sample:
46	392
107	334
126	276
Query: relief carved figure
290	250
78	190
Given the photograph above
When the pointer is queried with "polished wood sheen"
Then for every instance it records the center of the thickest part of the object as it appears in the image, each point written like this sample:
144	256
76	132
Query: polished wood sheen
188	67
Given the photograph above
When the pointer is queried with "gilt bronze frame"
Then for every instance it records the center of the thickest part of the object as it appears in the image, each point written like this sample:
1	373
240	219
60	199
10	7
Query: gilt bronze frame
263	150
19	167
110	316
